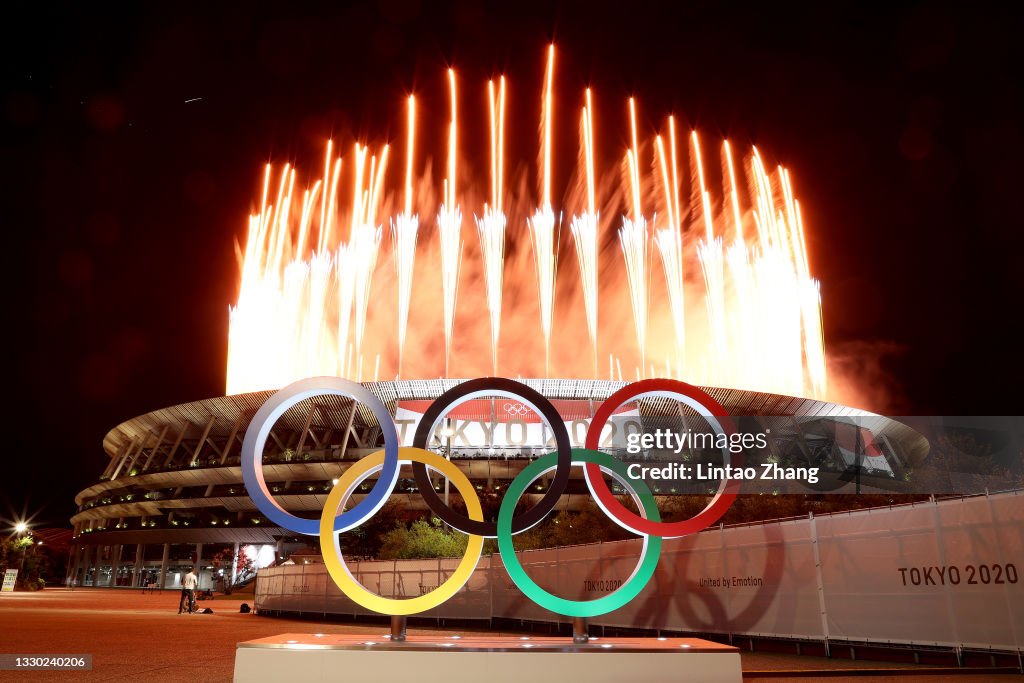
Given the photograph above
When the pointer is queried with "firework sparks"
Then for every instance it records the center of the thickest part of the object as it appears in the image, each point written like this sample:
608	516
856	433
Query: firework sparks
584	228
633	239
670	241
542	225
545	252
303	305
810	293
252	336
733	192
404	231
449	225
747	347
491	227
366	234
311	327
324	196
712	261
345	281
749	358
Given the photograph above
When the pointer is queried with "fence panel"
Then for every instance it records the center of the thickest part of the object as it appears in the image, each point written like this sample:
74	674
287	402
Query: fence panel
946	573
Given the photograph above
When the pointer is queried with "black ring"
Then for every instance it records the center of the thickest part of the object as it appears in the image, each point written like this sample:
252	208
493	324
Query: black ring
488	386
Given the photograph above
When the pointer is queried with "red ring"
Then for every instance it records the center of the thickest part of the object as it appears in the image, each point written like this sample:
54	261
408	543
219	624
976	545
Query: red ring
706	517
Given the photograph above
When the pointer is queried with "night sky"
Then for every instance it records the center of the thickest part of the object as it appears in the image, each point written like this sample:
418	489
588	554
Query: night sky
122	201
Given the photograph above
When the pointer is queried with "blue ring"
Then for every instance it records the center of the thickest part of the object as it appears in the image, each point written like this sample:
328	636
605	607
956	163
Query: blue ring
264	420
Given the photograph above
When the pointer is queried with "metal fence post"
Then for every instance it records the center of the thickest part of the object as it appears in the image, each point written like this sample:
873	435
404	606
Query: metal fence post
819	579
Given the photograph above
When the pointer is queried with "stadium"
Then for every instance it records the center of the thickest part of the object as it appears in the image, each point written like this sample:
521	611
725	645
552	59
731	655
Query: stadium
172	493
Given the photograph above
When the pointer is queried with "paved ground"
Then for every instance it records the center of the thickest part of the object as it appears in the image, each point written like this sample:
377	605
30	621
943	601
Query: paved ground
135	637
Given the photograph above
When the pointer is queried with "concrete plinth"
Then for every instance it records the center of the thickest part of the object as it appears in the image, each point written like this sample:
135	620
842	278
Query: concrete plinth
508	659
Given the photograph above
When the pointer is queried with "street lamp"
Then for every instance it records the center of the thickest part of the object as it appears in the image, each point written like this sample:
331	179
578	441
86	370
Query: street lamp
20	528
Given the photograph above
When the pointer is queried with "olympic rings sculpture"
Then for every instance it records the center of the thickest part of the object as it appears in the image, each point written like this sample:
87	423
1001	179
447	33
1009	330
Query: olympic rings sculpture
386	463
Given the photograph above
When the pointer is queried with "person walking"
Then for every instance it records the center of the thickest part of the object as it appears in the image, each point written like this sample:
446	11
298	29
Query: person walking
188	591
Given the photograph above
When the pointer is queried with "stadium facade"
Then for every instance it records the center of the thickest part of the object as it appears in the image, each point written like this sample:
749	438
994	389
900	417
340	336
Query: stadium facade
172	497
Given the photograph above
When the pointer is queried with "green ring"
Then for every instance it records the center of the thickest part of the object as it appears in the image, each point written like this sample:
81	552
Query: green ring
577	608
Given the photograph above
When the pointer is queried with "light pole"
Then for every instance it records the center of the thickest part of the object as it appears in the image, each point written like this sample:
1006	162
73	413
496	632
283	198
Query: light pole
21	528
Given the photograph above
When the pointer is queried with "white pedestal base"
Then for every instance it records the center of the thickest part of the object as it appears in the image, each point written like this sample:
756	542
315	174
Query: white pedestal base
426	659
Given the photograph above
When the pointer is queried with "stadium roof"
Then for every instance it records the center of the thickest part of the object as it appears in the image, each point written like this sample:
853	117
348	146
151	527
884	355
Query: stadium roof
222	416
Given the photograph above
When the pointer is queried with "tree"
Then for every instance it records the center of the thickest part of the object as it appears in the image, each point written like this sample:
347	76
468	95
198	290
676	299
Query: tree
37	564
244	566
422	539
366	539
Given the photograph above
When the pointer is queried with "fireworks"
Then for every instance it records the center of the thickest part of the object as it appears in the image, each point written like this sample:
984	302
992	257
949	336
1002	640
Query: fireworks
365	236
670	243
404	231
345	260
584	228
449	226
633	240
738	306
491	227
712	261
542	225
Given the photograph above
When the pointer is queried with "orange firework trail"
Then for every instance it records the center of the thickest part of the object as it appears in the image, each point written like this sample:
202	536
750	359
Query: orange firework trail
633	239
365	235
449	225
542	225
404	231
584	228
711	255
744	287
751	320
491	227
670	242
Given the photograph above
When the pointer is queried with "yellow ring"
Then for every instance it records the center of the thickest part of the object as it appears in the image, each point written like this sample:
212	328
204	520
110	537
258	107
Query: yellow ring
335	562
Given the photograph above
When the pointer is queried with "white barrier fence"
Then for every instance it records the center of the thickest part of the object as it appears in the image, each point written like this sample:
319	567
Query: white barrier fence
944	573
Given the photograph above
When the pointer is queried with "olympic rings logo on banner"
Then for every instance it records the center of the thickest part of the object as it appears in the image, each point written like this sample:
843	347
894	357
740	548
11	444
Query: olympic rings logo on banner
517	409
386	463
